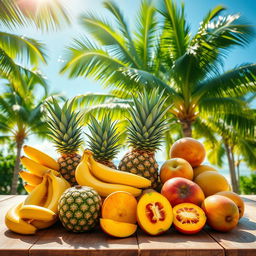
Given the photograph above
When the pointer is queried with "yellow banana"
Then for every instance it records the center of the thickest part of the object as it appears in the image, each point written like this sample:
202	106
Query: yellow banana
49	193
30	178
41	158
33	166
16	224
39	224
36	212
59	185
85	178
29	188
37	196
110	175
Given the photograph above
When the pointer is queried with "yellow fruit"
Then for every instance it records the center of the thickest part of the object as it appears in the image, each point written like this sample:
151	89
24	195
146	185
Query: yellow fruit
39	224
107	174
16	224
33	166
49	193
59	185
29	188
36	197
85	178
202	168
212	182
30	178
117	229
36	212
41	158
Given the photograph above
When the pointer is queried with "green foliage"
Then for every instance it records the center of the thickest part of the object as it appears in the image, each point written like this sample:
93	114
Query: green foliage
7	163
248	184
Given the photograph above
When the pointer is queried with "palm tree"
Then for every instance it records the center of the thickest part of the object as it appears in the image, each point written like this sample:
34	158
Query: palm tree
162	53
21	115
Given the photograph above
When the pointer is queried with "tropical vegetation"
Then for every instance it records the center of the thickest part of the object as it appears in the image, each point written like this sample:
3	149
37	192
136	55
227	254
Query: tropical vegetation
162	53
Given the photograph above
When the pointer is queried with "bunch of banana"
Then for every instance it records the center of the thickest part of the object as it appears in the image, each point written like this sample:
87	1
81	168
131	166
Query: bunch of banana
106	180
40	208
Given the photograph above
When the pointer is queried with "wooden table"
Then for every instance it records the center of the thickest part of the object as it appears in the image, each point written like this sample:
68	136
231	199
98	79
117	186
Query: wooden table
57	241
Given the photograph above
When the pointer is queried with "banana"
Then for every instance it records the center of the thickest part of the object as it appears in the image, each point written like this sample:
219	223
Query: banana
33	166
16	224
85	178
110	175
41	158
36	197
59	185
36	212
39	224
30	178
49	193
29	188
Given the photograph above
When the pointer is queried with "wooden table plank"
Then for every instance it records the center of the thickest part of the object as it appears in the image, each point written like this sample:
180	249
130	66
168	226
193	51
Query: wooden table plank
176	244
11	243
241	241
5	197
57	241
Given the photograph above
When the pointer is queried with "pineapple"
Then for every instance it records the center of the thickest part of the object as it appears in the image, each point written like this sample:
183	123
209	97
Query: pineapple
103	141
79	209
66	133
145	134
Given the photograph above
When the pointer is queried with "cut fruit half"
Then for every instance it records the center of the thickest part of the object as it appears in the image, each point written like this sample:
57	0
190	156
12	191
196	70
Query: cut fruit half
154	213
188	218
117	229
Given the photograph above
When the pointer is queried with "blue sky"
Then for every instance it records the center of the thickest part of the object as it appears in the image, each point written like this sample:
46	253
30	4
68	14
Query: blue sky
58	40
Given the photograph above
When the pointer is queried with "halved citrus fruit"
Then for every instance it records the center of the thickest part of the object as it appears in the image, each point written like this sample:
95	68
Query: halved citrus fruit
188	218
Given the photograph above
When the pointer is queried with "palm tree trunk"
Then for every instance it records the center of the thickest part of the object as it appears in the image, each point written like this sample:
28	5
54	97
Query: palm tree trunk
16	169
186	128
232	169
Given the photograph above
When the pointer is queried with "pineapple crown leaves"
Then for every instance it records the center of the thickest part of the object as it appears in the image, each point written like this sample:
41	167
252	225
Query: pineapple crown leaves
148	123
104	138
63	126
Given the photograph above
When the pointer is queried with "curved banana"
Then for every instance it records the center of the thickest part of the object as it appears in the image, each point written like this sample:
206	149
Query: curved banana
36	212
108	174
41	158
30	178
16	224
49	193
36	197
59	185
29	188
85	178
39	224
33	166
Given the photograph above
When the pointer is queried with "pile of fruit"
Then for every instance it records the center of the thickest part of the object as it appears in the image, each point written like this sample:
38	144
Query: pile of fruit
84	191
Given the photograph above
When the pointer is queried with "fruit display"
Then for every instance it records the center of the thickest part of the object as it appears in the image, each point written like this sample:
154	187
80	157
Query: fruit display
145	134
79	208
211	182
84	176
189	149
176	167
188	218
202	168
181	190
222	213
154	213
39	209
103	140
66	133
236	199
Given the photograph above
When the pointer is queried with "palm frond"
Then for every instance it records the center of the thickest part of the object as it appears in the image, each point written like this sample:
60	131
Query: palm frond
247	149
236	82
216	153
104	33
22	48
146	32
